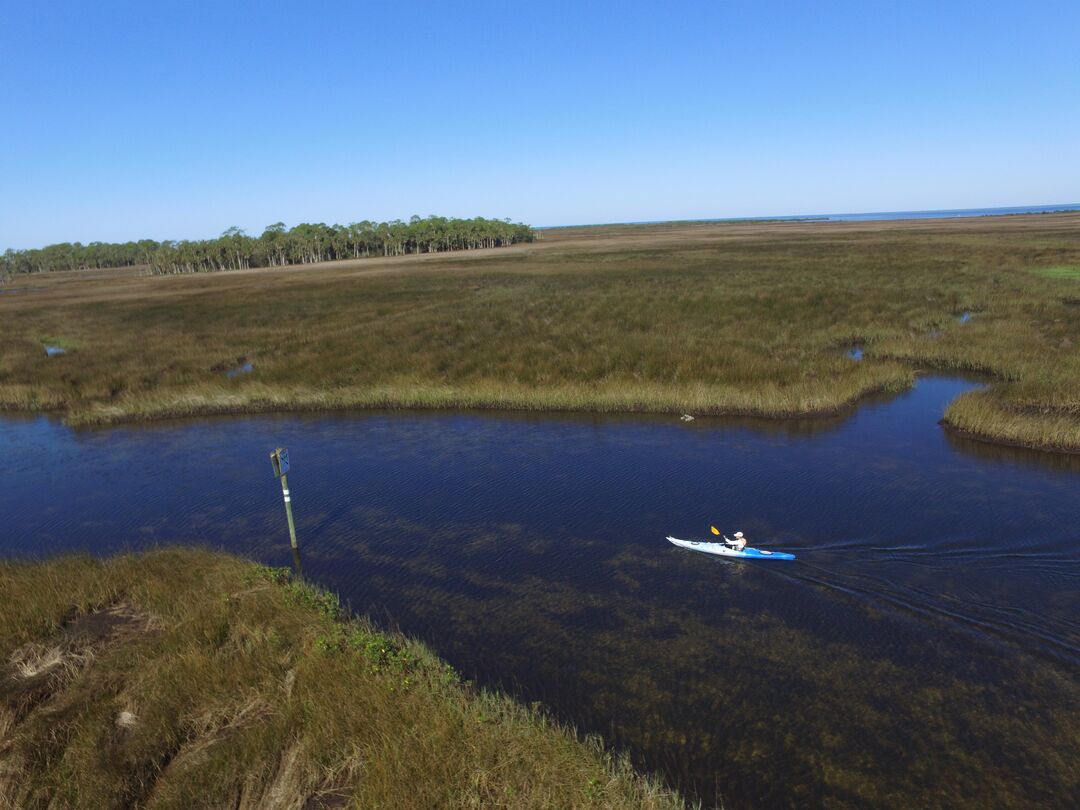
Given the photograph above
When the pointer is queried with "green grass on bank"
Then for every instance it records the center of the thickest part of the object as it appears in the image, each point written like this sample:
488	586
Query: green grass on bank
1069	272
750	318
184	678
60	342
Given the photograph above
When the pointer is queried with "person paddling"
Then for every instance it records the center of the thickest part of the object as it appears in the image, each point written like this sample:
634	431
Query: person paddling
739	542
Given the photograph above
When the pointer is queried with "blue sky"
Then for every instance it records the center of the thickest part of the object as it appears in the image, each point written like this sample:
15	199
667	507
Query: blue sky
180	119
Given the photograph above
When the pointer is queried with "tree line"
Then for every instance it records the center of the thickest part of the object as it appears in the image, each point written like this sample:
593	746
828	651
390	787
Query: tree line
276	246
77	256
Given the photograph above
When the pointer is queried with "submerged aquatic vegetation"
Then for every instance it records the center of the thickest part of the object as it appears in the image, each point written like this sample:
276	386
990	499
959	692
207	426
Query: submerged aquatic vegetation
740	698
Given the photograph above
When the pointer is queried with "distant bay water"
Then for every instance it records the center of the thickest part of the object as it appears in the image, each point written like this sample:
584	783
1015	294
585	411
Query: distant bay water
949	213
870	215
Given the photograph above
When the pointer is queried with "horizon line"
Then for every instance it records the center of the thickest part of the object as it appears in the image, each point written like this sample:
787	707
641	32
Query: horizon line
998	210
928	213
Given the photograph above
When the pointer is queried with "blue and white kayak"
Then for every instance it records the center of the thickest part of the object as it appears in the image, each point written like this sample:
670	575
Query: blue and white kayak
723	550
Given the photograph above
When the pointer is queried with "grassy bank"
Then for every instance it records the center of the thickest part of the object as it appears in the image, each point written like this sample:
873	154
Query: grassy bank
183	678
749	318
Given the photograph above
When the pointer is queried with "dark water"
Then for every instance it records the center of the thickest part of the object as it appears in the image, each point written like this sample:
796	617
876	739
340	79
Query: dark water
921	652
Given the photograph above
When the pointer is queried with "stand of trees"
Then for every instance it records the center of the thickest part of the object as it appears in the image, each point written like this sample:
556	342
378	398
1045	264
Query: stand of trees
77	256
277	246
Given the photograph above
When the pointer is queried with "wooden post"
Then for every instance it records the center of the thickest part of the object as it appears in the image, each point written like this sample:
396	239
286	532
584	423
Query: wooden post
280	459
288	509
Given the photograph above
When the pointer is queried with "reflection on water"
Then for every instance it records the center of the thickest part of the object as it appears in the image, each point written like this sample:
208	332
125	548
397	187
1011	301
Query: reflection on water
921	651
1007	454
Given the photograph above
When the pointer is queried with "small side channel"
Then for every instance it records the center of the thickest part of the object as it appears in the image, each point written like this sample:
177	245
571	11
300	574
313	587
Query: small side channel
244	368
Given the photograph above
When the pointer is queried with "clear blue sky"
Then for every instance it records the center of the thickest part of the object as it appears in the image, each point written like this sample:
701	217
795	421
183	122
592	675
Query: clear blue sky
180	119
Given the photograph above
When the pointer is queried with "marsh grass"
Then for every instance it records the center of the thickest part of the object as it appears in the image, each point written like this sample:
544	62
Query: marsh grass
1069	272
768	400
749	318
183	678
1054	425
59	342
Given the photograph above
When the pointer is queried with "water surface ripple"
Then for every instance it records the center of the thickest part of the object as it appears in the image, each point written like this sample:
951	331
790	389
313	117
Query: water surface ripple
922	650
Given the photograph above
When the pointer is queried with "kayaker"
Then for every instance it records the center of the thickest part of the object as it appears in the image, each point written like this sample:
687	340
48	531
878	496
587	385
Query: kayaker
739	542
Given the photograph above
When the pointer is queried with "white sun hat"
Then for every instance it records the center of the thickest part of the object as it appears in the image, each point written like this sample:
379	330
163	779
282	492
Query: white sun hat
738	534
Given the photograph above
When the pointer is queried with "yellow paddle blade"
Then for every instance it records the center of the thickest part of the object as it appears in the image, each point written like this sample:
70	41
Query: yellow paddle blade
715	530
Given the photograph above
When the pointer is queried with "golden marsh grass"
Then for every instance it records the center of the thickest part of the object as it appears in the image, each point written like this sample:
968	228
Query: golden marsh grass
750	318
186	678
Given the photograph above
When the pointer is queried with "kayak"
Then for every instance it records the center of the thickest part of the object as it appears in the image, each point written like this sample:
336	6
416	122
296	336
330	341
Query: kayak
723	550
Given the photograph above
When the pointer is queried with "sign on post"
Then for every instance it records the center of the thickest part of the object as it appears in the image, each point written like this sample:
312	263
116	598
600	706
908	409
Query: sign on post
280	459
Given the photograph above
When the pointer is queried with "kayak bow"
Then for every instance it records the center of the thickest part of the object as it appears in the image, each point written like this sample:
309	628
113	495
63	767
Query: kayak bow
722	550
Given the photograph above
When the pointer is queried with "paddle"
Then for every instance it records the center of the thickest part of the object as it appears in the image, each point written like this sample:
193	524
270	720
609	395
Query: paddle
716	531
